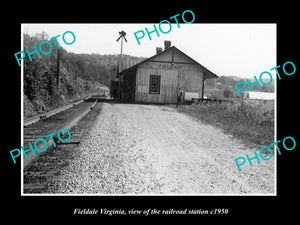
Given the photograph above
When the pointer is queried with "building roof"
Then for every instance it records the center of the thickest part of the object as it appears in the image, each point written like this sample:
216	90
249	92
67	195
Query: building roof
262	95
208	73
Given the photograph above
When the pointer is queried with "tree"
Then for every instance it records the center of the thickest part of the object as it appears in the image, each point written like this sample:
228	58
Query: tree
211	82
42	36
227	93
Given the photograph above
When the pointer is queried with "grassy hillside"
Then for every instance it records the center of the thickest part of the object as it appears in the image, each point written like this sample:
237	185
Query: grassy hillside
253	124
223	87
47	85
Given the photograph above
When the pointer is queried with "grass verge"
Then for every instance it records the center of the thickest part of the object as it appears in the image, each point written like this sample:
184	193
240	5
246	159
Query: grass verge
253	124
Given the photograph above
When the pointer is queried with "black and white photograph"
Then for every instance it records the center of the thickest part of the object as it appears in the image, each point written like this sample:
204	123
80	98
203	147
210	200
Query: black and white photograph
168	111
163	117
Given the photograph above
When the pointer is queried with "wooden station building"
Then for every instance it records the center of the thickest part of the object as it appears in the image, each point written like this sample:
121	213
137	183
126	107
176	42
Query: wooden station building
158	78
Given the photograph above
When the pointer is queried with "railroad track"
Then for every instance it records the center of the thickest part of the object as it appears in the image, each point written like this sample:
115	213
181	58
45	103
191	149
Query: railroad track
35	119
37	168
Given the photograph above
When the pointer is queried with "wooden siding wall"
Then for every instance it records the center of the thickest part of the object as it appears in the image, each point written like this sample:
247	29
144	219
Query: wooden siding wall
179	75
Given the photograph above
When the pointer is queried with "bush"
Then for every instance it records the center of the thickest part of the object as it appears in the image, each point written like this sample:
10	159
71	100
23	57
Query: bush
227	93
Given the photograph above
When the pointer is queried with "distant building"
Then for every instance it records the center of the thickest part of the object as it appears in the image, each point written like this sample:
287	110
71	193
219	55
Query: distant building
219	85
262	98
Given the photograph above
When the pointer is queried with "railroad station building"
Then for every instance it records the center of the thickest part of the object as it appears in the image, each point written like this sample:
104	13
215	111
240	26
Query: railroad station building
158	78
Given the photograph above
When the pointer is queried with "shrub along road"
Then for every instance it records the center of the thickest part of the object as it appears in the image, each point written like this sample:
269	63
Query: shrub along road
148	149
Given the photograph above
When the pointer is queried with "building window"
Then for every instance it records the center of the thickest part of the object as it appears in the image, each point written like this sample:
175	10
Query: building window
154	84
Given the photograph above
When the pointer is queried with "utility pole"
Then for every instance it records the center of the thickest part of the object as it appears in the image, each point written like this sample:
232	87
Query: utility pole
122	36
57	70
120	64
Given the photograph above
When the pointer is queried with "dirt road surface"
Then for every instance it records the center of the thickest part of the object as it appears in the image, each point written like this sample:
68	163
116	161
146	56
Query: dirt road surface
149	149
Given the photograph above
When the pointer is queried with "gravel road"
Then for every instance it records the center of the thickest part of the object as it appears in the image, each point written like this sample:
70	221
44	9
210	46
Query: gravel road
149	149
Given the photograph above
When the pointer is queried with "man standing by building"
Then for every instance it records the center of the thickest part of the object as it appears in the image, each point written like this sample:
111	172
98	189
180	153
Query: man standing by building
180	97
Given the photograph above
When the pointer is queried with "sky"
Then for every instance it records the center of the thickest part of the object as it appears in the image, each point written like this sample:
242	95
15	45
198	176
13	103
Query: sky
243	50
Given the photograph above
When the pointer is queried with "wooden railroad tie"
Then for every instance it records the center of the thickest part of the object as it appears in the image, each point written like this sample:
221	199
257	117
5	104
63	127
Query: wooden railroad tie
69	143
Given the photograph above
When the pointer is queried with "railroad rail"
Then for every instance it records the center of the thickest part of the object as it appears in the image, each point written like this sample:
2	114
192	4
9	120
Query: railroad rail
37	169
206	100
37	118
64	117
